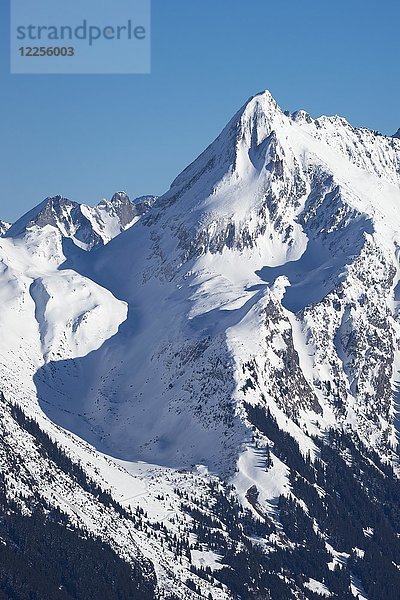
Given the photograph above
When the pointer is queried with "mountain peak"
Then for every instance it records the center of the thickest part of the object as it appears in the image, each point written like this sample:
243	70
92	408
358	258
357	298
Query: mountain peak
264	98
120	198
262	105
397	134
50	211
301	116
57	199
56	203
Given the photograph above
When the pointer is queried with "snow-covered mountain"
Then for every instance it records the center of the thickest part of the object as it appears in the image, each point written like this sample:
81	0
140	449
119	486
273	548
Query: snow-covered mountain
269	231
230	363
87	226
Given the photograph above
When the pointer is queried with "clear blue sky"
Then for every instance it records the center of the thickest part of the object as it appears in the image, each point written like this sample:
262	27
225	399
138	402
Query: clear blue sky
87	136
